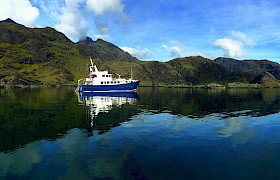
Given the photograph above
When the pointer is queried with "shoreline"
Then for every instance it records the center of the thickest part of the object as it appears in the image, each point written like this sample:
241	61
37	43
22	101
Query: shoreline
36	86
218	86
204	86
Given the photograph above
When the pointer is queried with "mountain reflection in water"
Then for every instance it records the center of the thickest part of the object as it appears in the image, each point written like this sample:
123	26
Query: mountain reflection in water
161	133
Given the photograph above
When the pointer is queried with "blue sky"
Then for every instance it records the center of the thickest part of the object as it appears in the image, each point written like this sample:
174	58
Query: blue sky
162	30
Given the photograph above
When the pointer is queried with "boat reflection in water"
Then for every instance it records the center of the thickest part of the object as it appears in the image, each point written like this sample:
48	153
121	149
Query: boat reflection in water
103	102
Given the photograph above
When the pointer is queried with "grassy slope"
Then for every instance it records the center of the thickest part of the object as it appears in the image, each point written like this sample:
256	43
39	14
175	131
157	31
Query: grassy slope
59	66
45	56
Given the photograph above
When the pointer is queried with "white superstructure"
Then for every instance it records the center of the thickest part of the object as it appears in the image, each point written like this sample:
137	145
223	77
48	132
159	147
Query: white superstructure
97	77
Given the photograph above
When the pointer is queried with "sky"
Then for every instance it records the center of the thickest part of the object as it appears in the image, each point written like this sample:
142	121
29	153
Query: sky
161	30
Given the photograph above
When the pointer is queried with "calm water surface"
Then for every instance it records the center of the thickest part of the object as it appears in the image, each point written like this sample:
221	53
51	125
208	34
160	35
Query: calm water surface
158	133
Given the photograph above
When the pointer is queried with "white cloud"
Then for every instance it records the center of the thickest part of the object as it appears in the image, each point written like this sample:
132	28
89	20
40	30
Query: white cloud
139	53
71	21
245	39
231	48
100	10
72	17
52	8
234	45
104	29
176	49
100	7
105	37
20	11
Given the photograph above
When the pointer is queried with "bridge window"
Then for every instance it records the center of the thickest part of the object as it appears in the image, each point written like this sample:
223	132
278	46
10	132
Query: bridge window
103	75
101	82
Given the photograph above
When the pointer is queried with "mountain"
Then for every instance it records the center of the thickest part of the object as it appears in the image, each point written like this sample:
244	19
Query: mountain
253	67
11	21
194	70
34	56
266	79
103	50
44	56
199	70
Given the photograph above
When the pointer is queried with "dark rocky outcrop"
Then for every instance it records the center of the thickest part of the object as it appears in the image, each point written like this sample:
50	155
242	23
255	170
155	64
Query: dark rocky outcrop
251	67
103	50
266	79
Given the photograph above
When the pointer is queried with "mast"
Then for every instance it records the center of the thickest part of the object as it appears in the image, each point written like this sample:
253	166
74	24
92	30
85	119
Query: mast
93	66
131	74
91	61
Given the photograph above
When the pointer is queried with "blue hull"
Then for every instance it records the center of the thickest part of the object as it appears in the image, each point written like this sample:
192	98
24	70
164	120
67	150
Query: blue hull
109	94
107	88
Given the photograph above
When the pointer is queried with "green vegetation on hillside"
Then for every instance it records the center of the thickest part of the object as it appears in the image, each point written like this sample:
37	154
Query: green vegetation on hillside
44	56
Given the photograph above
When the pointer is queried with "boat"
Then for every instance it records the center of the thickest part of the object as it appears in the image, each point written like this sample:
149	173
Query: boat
102	81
